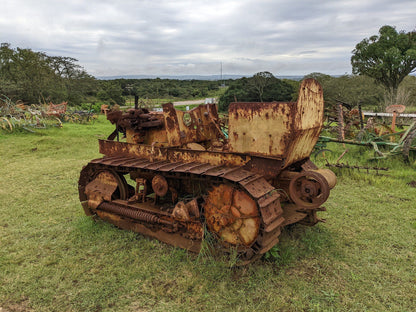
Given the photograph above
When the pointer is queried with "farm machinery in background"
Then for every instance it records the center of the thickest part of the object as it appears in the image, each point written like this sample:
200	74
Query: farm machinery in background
378	130
175	175
14	115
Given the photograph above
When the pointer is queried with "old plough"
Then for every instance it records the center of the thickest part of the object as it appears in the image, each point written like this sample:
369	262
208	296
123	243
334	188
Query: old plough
387	138
27	117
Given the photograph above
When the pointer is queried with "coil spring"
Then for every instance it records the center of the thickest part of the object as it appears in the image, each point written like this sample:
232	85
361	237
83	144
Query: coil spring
130	213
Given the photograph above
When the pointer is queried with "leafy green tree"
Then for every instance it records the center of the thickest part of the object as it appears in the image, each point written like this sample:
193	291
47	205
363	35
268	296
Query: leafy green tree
35	77
27	71
295	88
262	87
388	57
260	81
351	89
111	92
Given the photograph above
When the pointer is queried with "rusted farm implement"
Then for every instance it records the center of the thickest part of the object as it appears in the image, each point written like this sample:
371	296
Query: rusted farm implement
387	138
57	110
80	116
176	174
28	117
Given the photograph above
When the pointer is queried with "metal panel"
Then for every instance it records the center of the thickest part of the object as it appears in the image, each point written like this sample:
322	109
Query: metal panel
260	128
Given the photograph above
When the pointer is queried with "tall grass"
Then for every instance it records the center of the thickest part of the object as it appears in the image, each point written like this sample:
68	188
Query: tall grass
54	258
403	96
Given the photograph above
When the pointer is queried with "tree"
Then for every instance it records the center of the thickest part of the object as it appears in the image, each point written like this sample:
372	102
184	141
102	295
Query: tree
35	77
261	87
28	72
111	91
260	81
388	57
320	77
351	89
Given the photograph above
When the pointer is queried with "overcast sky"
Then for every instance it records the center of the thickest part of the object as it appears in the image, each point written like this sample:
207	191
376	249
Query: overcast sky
180	37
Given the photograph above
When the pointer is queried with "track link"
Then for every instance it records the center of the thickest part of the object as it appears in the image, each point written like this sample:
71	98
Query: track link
265	195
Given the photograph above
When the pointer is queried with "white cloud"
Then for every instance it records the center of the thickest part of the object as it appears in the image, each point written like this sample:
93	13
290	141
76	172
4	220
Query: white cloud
193	37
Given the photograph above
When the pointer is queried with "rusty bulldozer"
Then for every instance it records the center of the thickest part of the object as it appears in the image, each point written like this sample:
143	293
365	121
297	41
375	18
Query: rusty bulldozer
174	175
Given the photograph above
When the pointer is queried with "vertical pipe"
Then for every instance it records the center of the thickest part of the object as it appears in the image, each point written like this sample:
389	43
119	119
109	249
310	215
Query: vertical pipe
393	122
136	101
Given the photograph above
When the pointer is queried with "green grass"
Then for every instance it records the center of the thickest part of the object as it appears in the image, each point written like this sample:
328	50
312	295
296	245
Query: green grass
54	258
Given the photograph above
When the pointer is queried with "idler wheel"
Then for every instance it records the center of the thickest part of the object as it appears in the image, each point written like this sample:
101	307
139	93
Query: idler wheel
309	189
112	177
232	215
106	185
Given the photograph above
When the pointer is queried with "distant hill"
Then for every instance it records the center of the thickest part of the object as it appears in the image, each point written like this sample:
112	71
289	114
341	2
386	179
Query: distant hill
188	77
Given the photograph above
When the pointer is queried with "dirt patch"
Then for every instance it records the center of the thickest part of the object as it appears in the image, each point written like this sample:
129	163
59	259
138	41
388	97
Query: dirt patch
16	308
412	184
21	306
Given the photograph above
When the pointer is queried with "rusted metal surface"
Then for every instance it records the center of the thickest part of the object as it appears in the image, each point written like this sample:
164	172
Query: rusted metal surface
160	185
176	173
103	187
309	189
395	110
112	148
197	125
233	215
260	128
56	110
287	131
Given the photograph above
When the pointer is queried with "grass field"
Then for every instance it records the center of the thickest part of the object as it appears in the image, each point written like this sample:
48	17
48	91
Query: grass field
54	258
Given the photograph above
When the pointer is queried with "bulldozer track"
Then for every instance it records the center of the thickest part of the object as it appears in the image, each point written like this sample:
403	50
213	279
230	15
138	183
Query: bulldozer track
265	195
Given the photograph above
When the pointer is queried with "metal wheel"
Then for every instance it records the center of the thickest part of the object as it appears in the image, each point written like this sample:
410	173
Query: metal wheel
100	183
309	189
232	215
110	177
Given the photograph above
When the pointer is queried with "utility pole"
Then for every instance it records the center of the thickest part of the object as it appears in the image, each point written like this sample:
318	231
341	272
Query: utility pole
222	81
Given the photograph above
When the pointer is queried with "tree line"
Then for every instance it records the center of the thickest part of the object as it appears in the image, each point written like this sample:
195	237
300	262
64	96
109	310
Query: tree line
35	77
381	65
